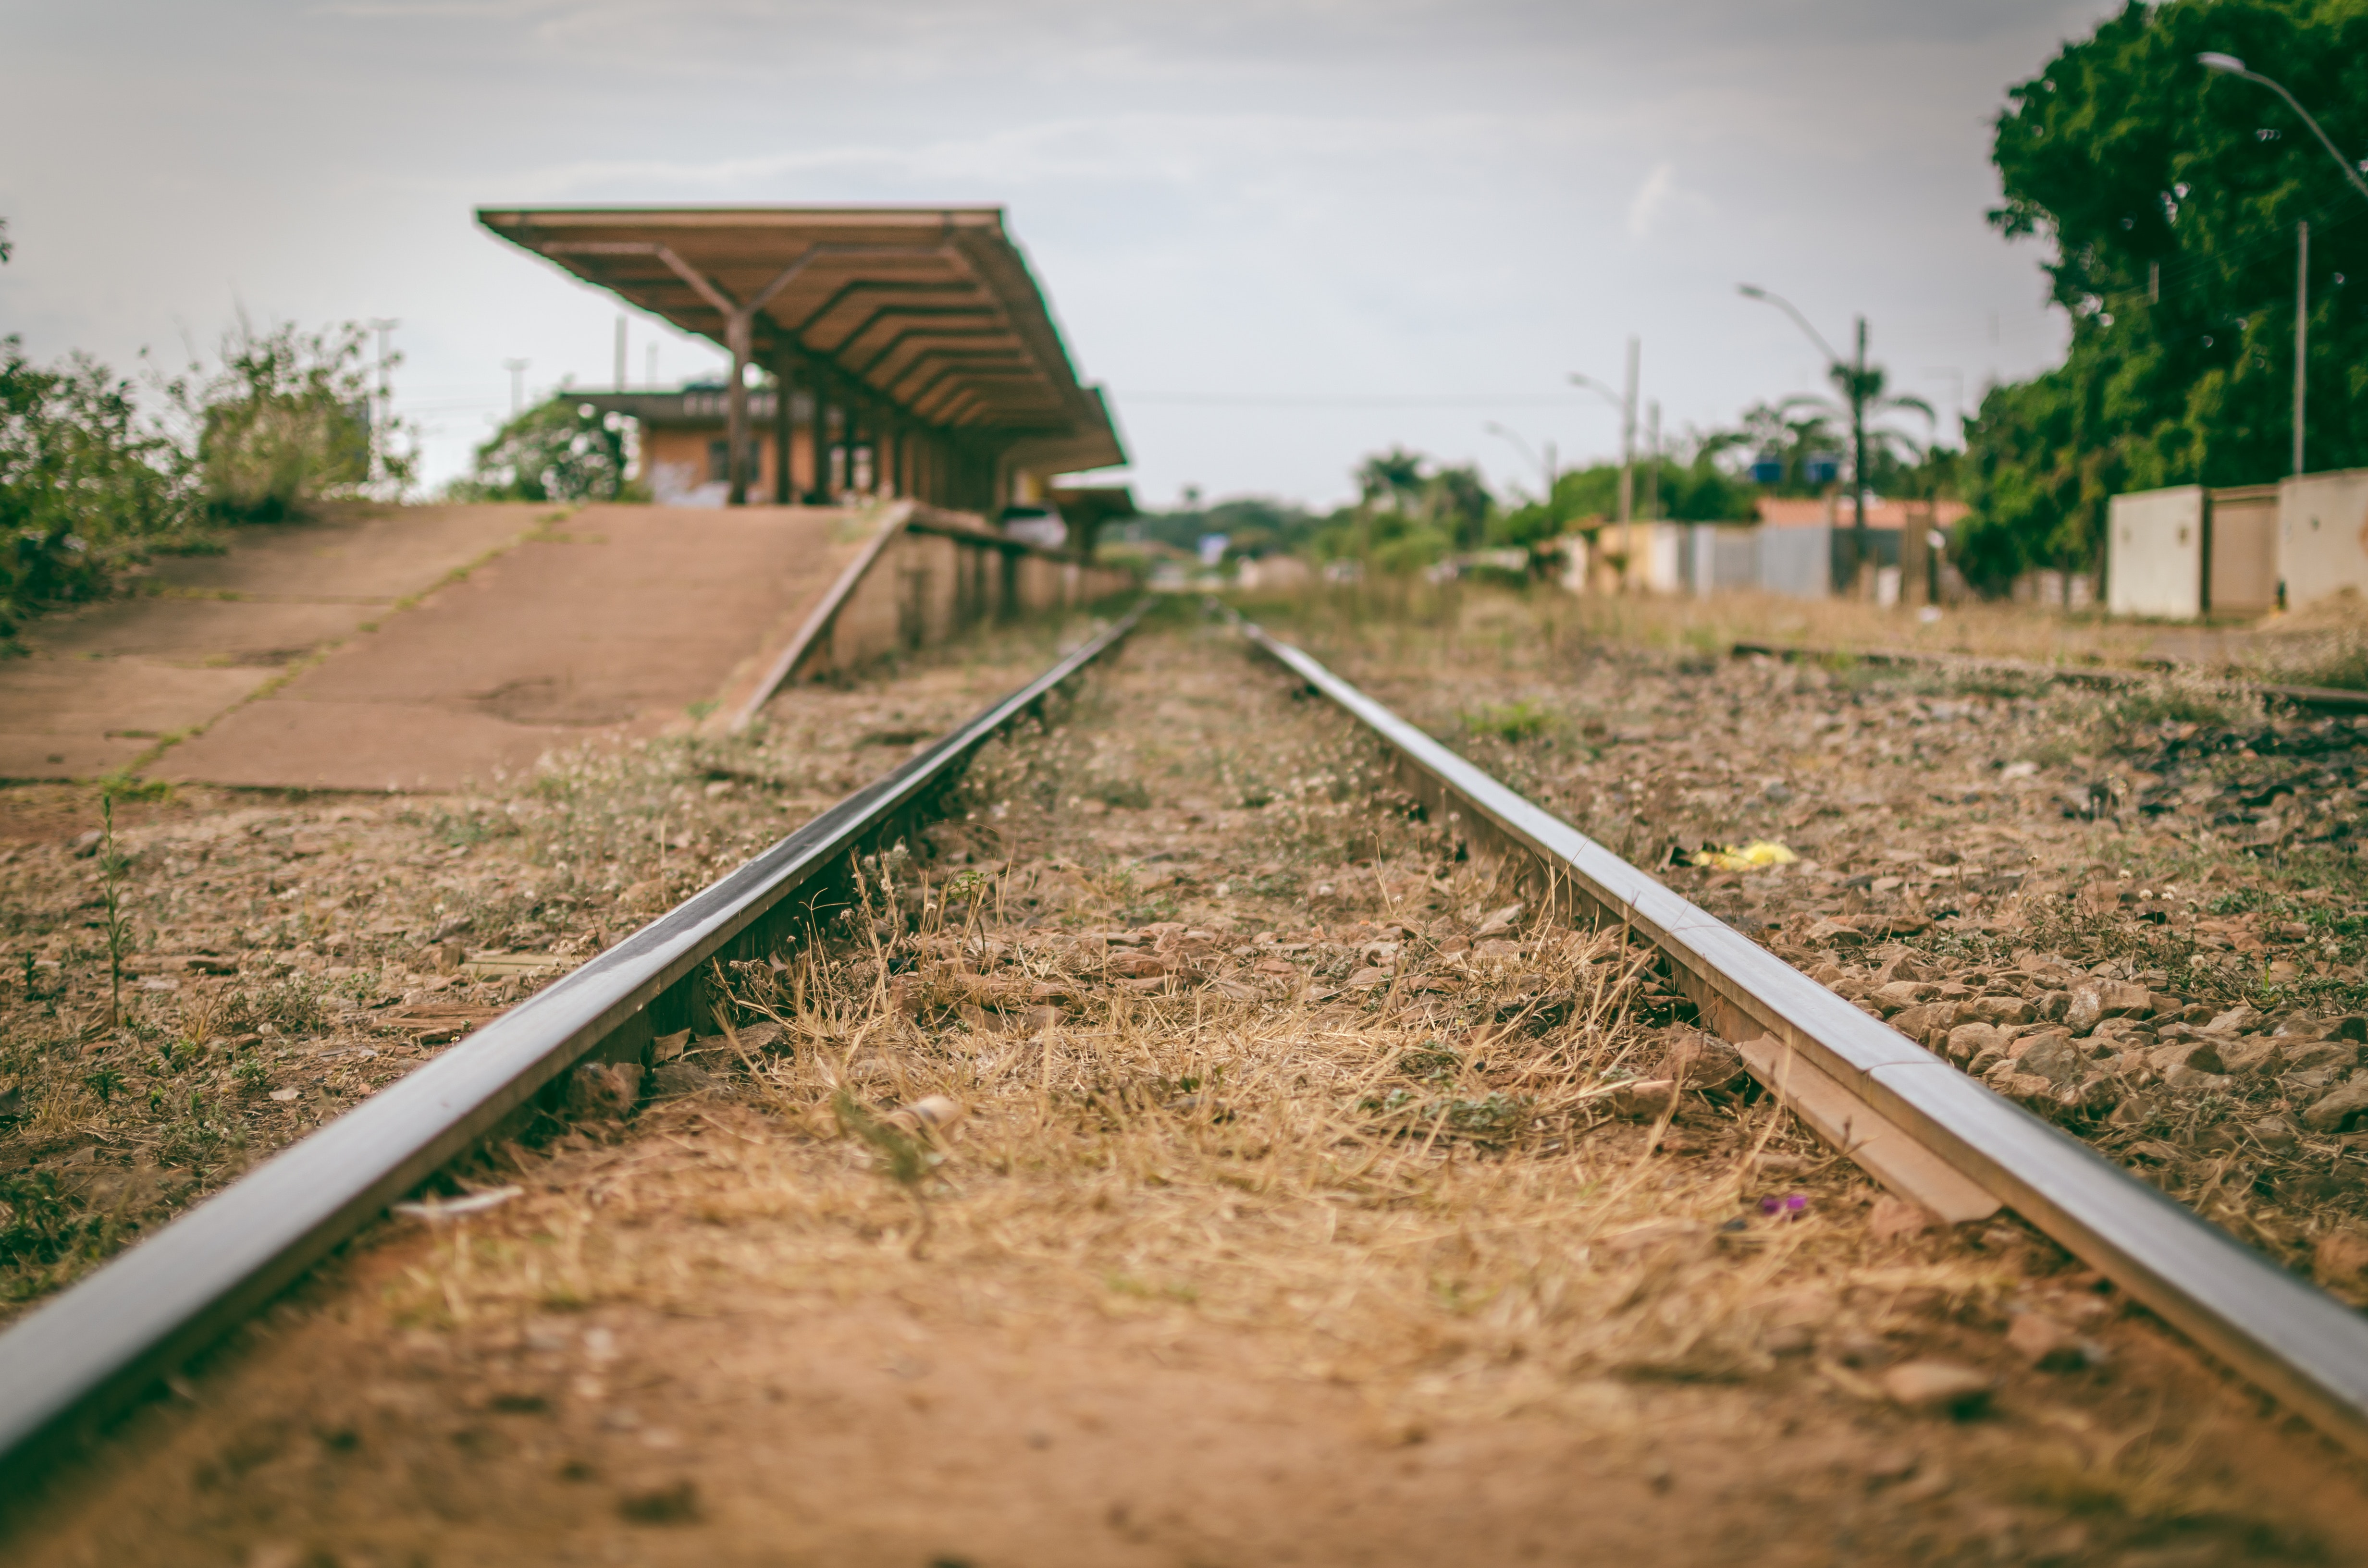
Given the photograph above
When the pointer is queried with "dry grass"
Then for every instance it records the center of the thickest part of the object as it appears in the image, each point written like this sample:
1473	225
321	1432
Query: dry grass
1393	1152
291	954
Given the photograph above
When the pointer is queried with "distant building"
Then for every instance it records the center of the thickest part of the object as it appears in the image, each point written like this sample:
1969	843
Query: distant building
2186	551
685	458
921	357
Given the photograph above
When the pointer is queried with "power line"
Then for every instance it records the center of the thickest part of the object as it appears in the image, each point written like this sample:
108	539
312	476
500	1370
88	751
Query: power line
1330	399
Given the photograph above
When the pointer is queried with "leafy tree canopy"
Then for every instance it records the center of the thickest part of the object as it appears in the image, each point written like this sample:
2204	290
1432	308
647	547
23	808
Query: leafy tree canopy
2169	196
561	449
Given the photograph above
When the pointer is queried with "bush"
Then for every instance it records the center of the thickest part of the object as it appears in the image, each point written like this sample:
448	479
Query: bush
284	421
88	486
84	486
559	450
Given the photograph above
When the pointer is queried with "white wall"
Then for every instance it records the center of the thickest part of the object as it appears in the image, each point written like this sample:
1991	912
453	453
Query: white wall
2154	554
1798	562
2322	534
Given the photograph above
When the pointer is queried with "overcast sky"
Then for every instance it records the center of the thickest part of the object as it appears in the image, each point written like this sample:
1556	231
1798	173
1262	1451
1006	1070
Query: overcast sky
1282	233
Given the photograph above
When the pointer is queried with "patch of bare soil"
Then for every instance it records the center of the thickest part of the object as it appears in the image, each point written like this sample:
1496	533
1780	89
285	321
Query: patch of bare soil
1183	1155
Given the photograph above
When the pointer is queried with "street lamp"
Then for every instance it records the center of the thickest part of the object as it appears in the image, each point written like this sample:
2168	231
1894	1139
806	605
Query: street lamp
1626	402
2229	66
1852	376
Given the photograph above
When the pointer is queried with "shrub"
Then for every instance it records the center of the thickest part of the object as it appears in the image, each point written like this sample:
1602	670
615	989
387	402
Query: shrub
85	487
285	420
559	450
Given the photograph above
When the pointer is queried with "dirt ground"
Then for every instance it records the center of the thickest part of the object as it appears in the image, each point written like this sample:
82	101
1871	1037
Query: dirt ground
1189	1159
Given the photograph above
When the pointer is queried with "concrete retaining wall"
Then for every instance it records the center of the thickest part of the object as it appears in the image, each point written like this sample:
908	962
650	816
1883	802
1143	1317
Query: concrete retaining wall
935	574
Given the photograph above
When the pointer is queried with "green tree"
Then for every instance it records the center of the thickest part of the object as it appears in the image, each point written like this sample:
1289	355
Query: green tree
85	485
2169	197
561	449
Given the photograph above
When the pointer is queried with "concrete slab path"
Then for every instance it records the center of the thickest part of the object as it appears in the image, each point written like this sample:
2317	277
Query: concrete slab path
620	621
103	685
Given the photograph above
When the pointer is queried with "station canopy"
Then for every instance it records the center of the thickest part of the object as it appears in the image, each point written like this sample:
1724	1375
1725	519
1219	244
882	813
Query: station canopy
933	310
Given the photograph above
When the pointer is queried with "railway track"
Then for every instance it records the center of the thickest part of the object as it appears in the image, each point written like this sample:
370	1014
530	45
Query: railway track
1920	1126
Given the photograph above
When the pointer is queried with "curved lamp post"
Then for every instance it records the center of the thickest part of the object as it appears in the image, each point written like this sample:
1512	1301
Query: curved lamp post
2229	66
1851	374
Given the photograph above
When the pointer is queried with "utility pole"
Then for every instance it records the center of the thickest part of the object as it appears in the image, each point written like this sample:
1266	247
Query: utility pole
2302	332
517	368
620	353
651	380
1628	468
1653	457
385	325
1858	460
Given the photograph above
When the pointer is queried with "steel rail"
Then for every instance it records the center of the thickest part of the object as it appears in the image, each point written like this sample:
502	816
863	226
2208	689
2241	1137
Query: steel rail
2285	1335
99	1345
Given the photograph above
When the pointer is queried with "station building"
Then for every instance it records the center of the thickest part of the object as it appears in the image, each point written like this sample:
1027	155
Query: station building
877	353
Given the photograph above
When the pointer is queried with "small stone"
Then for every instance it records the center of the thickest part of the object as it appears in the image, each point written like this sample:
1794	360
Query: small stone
1968	1042
2235	1020
603	1089
2333	1113
1703	1062
2340	1263
2052	1057
1923	1022
2276	1132
2004	1010
1938	1388
680	1078
1643	1098
1900	994
1892	1217
2249	1055
2198	1055
2338	1053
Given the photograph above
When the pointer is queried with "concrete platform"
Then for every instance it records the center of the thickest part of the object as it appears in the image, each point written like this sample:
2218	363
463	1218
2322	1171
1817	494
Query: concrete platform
621	622
105	684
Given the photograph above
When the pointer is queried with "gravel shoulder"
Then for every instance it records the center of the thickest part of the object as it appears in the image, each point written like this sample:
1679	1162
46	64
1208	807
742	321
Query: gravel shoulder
2141	913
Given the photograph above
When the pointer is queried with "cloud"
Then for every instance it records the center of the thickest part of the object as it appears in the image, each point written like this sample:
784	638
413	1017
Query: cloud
1662	197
